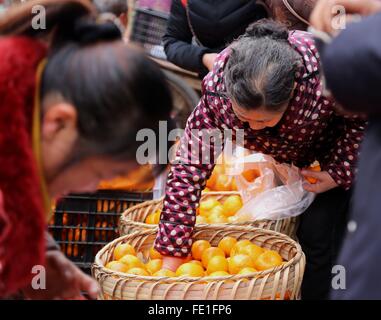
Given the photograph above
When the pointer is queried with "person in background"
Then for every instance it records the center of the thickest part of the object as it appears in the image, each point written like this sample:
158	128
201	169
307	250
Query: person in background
352	67
69	115
268	83
117	8
198	30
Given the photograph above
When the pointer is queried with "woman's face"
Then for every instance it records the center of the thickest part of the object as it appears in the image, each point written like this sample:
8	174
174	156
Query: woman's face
85	176
260	118
59	136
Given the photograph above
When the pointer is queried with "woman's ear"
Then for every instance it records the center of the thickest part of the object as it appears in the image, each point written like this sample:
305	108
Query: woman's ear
57	119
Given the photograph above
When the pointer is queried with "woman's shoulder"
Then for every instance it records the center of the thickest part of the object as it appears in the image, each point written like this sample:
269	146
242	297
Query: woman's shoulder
299	37
304	43
214	80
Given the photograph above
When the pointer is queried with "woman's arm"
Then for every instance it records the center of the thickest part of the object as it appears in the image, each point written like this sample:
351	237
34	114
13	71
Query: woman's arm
178	42
342	164
186	180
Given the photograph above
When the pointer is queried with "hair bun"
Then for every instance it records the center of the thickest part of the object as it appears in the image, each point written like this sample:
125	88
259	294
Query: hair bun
86	31
267	28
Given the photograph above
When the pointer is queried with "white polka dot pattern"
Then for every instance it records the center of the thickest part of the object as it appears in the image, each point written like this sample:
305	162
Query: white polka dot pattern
308	131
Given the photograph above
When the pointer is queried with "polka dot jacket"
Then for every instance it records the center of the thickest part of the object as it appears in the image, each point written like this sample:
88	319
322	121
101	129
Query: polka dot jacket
309	130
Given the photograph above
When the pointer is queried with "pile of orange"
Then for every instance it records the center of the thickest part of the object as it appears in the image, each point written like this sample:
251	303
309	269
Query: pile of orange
234	257
213	211
230	257
126	260
153	218
220	181
210	211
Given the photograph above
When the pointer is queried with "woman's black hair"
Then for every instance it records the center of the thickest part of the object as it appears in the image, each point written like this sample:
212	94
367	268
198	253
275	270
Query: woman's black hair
115	88
261	68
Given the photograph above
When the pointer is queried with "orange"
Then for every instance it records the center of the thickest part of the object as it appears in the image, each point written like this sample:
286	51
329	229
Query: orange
217	218
222	183
238	262
77	235
217	263
190	270
231	205
154	254
216	210
65	219
219	274
138	272
314	167
210	183
153	266
234	186
206	190
151	218
252	250
250	175
226	244
131	261
123	249
201	219
84	235
198	248
75	250
209	254
157	215
164	273
268	259
238	246
247	270
196	262
207	205
233	219
70	235
117	266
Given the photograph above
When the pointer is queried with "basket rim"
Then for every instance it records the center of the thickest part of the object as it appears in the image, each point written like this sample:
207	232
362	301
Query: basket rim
124	219
124	276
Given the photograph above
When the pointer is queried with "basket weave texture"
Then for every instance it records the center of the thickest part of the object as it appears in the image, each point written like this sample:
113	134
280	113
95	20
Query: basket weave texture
132	220
281	283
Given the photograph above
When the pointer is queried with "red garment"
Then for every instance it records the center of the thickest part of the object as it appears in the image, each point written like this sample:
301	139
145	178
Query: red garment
308	131
22	218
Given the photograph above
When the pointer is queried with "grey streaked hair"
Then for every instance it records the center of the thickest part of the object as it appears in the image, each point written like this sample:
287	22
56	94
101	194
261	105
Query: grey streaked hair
261	68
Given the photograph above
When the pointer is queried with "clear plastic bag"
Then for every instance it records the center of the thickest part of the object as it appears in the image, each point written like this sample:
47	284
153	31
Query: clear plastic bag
276	193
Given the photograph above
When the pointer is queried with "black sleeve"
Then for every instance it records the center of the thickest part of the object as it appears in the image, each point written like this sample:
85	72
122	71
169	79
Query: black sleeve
178	41
352	66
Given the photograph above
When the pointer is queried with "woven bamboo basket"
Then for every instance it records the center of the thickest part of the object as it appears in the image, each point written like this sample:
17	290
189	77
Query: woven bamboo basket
132	220
279	283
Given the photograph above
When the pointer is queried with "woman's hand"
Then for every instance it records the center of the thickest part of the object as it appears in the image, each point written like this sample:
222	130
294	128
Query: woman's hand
325	12
208	60
324	181
172	263
63	280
